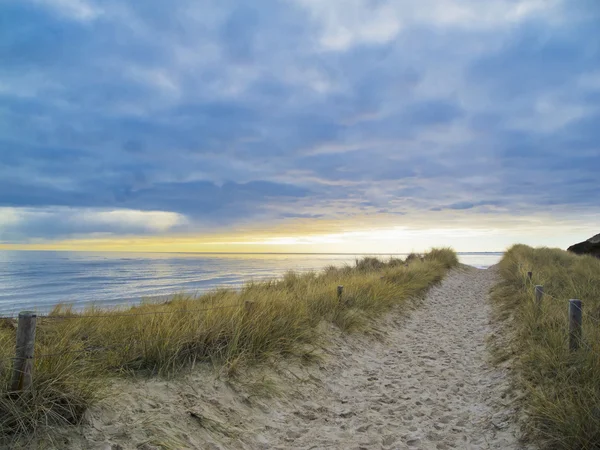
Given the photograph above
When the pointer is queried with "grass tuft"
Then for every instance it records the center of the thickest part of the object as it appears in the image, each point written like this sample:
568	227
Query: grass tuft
282	319
562	389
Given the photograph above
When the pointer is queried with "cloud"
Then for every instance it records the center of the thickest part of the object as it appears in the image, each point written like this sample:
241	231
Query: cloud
24	224
469	205
227	115
346	23
74	9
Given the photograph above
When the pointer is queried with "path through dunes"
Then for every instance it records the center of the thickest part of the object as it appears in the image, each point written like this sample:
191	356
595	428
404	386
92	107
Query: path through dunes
423	384
427	386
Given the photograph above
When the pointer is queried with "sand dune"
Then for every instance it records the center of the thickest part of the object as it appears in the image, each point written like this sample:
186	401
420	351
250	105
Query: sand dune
422	382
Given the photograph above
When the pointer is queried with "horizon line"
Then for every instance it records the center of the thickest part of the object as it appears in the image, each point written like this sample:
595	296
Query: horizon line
238	253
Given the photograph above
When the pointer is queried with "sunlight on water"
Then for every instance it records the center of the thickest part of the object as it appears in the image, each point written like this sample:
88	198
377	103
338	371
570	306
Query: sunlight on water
40	280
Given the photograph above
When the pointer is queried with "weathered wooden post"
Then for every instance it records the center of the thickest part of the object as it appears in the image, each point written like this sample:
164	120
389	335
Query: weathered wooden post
340	291
23	365
249	306
530	275
575	319
539	293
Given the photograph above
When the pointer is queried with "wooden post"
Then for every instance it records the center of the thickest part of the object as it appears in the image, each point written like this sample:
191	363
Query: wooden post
340	291
574	324
539	292
529	275
249	306
23	365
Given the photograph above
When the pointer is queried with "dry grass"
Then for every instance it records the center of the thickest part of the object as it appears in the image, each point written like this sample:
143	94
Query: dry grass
161	339
562	389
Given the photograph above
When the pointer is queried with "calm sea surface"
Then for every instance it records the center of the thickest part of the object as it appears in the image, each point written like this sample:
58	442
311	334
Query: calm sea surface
40	280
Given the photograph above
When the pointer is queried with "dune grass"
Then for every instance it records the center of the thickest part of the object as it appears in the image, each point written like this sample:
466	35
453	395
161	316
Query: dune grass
263	320
562	388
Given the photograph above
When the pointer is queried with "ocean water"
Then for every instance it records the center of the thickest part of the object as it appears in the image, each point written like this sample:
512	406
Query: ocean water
40	280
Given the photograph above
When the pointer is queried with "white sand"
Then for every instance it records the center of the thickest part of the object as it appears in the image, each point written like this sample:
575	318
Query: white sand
424	383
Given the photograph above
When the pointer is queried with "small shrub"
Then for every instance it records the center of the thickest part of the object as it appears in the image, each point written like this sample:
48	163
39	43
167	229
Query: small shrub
368	264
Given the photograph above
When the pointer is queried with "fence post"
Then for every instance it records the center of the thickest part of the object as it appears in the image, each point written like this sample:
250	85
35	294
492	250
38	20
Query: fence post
23	365
574	324
539	292
530	275
340	291
249	306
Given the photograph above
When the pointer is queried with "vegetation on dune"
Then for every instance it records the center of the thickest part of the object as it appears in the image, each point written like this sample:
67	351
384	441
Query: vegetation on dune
263	320
562	388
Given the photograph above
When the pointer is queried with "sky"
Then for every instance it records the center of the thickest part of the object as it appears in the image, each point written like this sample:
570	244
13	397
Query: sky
298	125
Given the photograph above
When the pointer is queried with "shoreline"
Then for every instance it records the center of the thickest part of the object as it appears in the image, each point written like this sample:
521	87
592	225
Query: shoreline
123	283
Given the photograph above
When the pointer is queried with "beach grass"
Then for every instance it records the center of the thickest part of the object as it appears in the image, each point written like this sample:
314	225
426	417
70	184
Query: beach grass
225	327
561	388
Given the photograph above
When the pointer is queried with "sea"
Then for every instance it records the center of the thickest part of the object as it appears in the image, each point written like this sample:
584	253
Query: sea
39	280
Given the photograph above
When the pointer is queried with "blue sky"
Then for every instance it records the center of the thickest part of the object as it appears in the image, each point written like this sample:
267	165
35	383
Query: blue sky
283	119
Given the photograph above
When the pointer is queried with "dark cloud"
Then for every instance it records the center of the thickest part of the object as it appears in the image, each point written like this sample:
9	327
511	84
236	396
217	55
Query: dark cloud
540	58
427	113
191	198
231	113
469	205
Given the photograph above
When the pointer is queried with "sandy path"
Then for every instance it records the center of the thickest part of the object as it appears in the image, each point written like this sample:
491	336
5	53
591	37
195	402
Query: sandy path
426	386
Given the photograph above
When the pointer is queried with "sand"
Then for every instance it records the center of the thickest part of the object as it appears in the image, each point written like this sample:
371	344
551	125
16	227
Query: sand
422	381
